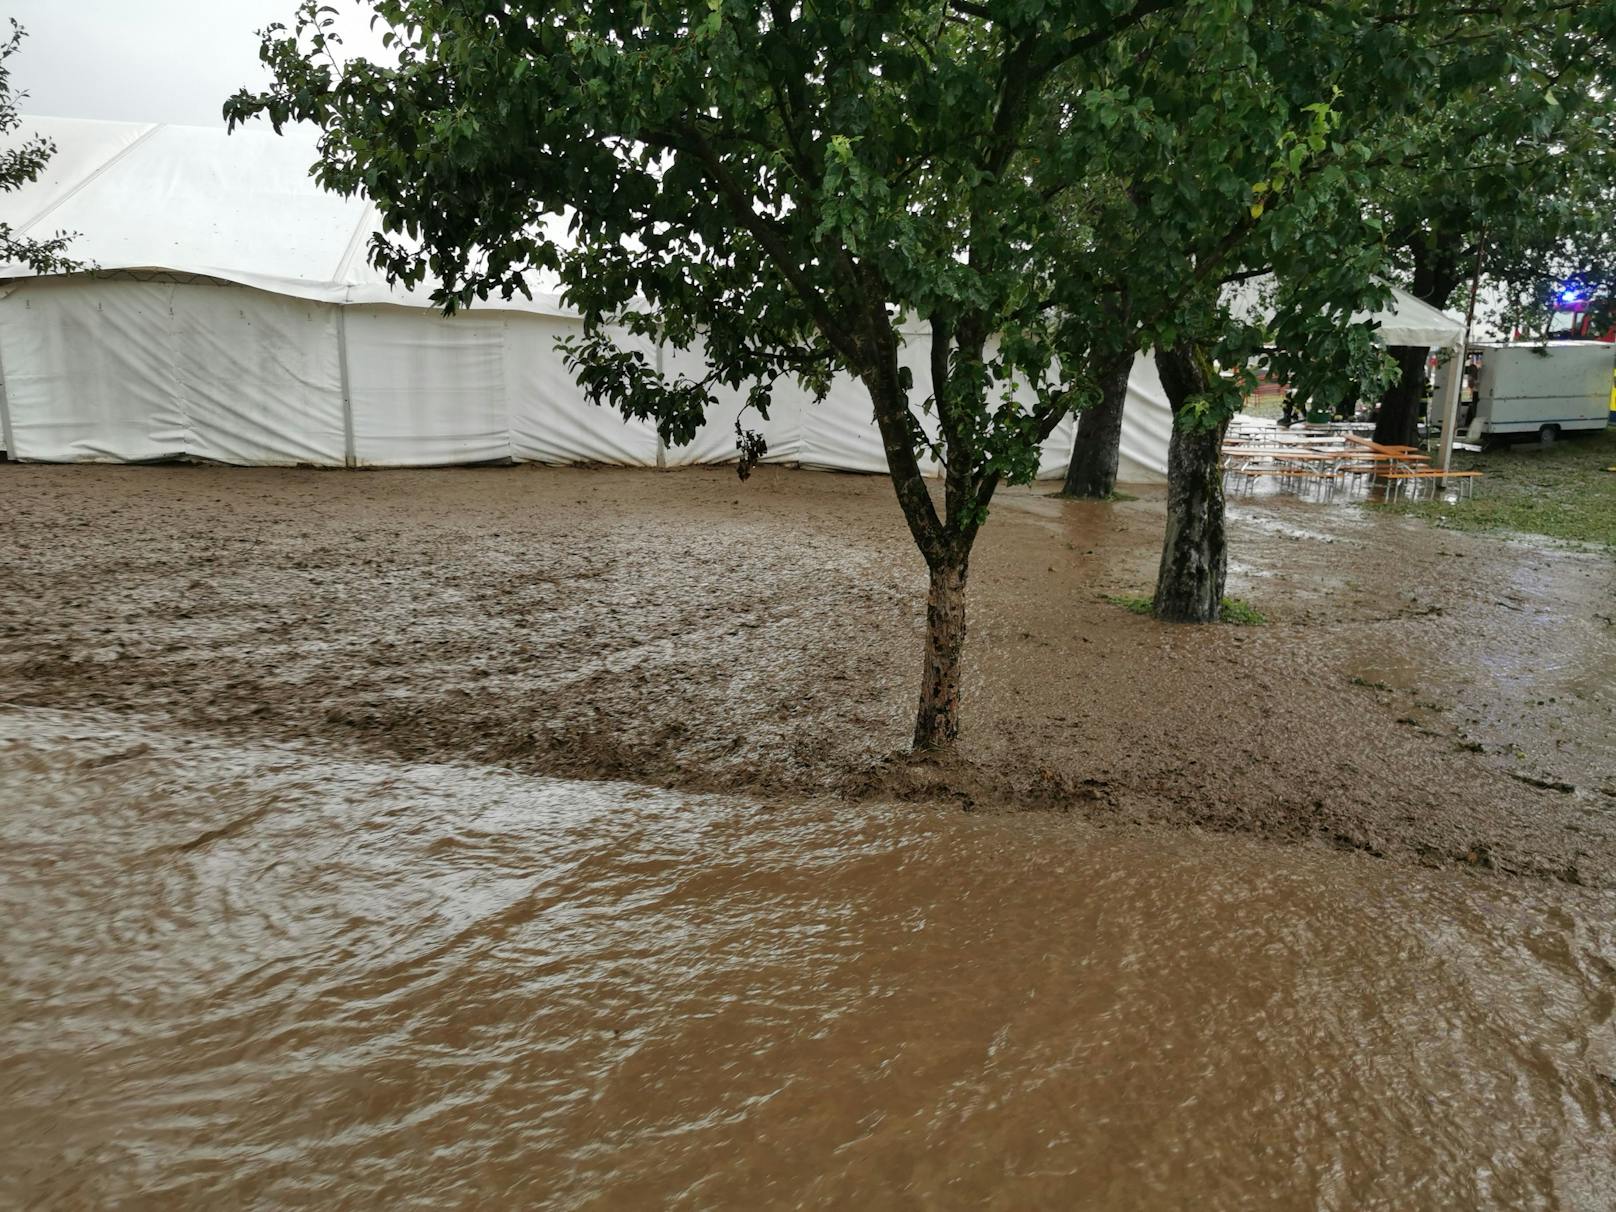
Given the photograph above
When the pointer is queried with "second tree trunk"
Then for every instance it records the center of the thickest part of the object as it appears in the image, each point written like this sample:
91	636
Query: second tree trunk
1093	469
1398	421
1194	560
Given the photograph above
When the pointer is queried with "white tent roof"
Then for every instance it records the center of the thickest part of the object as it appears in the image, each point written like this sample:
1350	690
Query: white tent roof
243	208
194	200
1404	321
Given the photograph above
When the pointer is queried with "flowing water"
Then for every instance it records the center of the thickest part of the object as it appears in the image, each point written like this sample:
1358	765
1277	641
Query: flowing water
239	975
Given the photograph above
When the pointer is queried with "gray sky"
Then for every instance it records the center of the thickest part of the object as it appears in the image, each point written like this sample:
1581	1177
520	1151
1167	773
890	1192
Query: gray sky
149	60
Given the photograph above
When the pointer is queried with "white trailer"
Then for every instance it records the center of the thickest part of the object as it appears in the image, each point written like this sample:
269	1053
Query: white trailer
1539	391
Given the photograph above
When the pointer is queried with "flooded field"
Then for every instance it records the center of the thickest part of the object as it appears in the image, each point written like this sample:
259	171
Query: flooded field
248	975
529	837
1418	694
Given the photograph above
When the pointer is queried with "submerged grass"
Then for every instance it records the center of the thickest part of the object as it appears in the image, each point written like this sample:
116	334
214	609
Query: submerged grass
1236	611
1565	491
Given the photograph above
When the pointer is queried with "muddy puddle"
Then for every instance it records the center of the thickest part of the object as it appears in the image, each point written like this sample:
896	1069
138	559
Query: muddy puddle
245	974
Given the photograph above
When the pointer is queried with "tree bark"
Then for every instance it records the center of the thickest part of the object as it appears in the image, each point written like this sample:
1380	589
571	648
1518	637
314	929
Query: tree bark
1093	469
1194	560
1397	423
937	720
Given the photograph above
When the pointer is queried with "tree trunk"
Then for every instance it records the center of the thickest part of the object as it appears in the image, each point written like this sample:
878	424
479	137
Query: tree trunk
1093	469
1434	251
1194	561
937	720
1398	421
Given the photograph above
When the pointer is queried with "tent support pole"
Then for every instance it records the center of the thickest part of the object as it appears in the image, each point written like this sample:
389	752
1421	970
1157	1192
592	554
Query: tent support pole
1451	421
6	437
1450	405
349	458
661	446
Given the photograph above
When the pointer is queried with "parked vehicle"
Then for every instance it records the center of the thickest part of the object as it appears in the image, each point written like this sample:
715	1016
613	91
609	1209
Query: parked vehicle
1515	392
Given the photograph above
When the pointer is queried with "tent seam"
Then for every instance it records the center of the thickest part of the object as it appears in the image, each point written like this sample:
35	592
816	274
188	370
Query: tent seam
91	177
345	262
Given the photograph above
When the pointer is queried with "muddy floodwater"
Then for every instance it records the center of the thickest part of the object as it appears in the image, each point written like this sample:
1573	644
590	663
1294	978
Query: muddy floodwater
518	837
243	975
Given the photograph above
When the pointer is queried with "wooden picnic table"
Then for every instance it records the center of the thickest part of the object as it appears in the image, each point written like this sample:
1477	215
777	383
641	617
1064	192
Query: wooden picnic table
1259	451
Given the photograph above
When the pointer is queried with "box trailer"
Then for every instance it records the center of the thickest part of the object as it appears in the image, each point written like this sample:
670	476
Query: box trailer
1537	391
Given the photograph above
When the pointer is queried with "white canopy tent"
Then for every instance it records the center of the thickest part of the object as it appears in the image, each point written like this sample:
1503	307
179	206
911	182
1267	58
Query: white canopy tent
1404	320
236	318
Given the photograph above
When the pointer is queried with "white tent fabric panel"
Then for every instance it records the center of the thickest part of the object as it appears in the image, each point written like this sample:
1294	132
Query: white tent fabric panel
89	373
1056	452
83	150
125	370
260	376
130	371
425	390
715	441
840	433
550	420
1147	426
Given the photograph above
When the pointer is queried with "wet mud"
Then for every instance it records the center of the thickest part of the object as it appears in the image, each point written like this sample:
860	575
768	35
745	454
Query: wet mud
1431	697
245	976
335	871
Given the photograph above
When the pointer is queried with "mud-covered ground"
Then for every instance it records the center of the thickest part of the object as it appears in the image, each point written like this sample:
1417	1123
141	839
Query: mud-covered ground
1431	696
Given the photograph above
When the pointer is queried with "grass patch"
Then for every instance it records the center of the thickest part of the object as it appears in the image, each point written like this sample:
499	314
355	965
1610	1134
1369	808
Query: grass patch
1564	491
1236	611
1137	605
1242	613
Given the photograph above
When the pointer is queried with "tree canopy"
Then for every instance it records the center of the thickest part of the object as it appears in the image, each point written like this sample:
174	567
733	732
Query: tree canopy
795	182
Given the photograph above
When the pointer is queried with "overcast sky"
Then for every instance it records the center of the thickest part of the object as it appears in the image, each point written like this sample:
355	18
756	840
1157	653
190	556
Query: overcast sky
149	60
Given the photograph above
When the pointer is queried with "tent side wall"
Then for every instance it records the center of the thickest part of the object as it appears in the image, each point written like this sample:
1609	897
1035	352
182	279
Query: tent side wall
426	392
126	371
551	421
115	369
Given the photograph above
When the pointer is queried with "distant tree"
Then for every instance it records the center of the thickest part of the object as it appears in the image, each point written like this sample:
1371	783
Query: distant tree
1376	73
20	164
1511	152
1262	173
1514	174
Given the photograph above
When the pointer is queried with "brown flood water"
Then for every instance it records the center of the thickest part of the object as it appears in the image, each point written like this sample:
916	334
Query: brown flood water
243	974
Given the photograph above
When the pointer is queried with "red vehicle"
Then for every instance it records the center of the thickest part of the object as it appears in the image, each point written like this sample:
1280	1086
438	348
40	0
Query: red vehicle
1581	315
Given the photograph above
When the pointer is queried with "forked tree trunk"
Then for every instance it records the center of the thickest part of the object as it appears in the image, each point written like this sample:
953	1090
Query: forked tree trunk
1398	421
1194	561
937	720
1093	469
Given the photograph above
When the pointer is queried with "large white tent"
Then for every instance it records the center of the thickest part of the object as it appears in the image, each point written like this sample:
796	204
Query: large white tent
234	317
